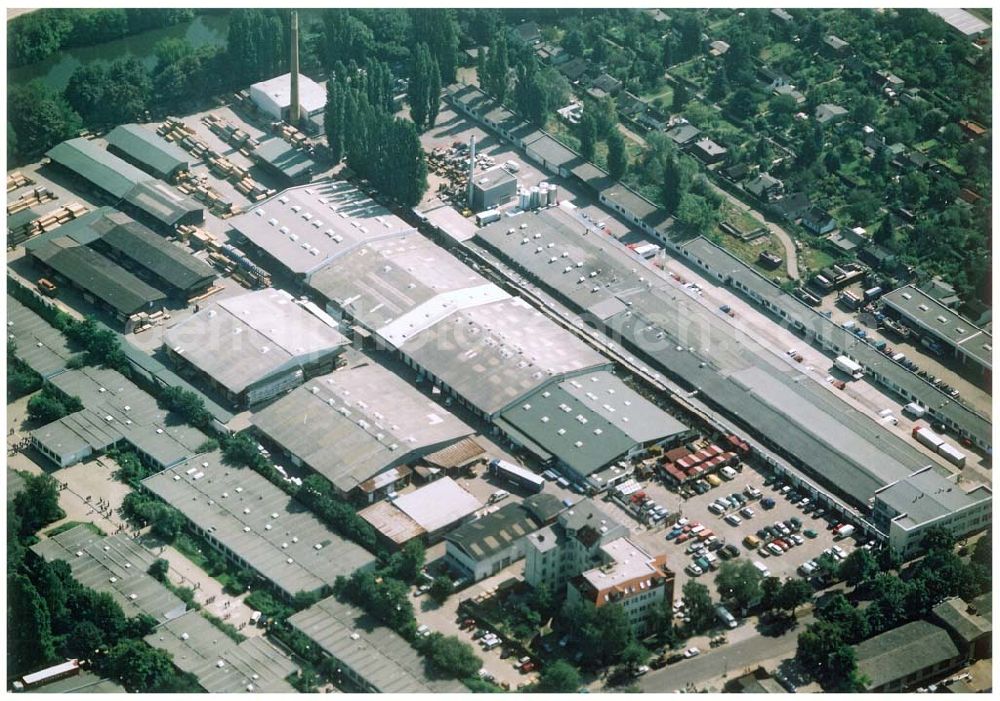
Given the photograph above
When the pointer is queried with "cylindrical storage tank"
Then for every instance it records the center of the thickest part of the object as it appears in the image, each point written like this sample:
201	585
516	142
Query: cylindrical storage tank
553	194
534	196
543	195
523	199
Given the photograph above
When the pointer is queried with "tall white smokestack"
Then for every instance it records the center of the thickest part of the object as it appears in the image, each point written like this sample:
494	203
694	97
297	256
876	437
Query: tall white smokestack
472	165
293	110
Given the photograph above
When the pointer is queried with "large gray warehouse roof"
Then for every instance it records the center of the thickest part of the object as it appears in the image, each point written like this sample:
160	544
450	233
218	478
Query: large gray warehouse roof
929	314
900	652
240	341
494	532
304	228
382	280
116	565
114	407
290	161
352	424
745	278
375	653
928	495
43	348
96	274
492	354
105	170
221	665
589	421
153	153
274	535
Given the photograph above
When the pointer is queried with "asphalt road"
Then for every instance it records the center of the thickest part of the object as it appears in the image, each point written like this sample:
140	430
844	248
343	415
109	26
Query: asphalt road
732	659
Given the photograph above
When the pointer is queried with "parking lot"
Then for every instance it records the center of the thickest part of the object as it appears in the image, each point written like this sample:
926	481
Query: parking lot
696	512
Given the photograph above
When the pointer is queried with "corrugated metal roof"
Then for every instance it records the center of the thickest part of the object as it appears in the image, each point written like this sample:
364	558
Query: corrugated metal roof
103	169
154	154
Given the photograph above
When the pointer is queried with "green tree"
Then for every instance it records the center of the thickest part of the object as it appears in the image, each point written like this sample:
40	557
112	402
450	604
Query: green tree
671	190
690	28
698	605
441	588
40	119
494	76
769	589
719	87
680	98
37	504
572	43
21	379
587	133
158	570
937	538
29	629
865	110
617	156
452	656
334	118
418	88
739	582
405	565
982	552
841	612
138	667
605	116
438	28
794	592
860	565
433	94
559	677
696	214
823	652
743	104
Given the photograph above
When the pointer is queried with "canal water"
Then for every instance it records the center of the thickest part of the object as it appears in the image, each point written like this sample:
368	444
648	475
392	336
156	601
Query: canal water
55	71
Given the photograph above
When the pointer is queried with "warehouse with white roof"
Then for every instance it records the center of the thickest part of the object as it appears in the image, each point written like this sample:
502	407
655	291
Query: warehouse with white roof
274	96
255	346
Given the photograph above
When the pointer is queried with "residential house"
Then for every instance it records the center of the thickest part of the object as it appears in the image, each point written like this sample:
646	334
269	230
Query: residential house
574	69
765	187
835	46
552	54
709	151
791	92
604	85
528	32
904	658
683	134
718	48
941	291
970	630
772	78
830	114
781	16
792	206
818	221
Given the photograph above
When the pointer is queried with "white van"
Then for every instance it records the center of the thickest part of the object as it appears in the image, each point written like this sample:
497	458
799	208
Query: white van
727	473
499	495
762	568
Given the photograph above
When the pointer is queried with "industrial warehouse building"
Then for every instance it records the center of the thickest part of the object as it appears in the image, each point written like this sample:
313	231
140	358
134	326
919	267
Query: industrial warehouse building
483	547
220	664
290	164
303	229
426	513
100	280
369	656
125	266
587	422
34	341
492	189
115	411
115	565
356	424
128	187
968	343
258	526
144	149
255	346
274	96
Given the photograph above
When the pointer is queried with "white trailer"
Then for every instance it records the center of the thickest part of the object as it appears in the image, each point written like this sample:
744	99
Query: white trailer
927	437
951	454
851	367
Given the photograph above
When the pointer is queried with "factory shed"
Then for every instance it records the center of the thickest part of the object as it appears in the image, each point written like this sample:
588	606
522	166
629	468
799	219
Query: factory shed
274	96
143	148
35	341
256	345
97	277
289	163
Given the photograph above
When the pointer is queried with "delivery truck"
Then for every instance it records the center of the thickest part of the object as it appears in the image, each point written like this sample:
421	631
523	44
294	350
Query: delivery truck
927	437
851	367
951	454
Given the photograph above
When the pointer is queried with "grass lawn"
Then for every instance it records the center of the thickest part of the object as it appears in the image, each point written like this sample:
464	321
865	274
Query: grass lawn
814	258
778	51
739	218
561	131
748	251
665	93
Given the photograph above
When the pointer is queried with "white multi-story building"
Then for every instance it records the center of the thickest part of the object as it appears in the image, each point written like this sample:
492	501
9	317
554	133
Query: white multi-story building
557	553
629	577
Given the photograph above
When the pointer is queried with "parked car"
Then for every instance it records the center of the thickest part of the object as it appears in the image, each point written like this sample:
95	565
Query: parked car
731	549
733	520
809	533
774	549
692	652
797	539
746	512
694	570
767	503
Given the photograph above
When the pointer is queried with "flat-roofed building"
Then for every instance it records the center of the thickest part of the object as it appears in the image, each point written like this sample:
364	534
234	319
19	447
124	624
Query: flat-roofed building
274	96
144	148
906	508
256	345
489	355
37	343
426	512
357	423
280	158
492	189
629	577
368	656
962	21
258	526
115	565
115	411
587	422
969	344
483	547
220	664
100	280
303	229
79	683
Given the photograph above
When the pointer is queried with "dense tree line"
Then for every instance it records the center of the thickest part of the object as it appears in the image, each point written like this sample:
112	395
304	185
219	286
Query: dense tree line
424	88
50	405
21	379
257	44
37	35
382	148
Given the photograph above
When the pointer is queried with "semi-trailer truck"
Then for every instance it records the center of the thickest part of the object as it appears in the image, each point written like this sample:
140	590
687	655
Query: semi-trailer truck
851	367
